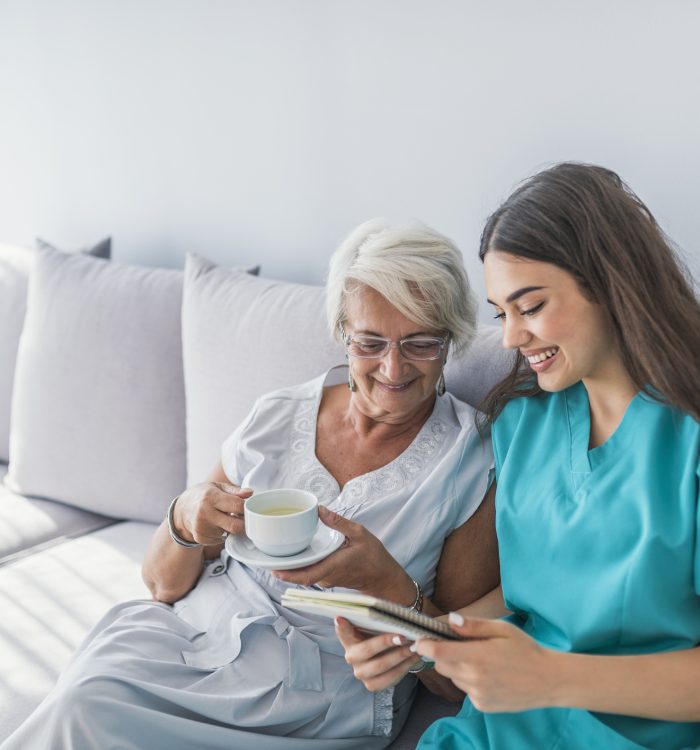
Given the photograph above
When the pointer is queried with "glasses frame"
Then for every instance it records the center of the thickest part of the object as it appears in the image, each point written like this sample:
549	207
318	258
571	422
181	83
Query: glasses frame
442	342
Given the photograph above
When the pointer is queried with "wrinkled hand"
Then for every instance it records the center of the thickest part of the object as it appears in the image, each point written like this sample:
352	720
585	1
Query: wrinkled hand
205	511
362	563
502	669
378	661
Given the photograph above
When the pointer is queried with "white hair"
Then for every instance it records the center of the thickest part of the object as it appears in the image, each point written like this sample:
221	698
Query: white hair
416	269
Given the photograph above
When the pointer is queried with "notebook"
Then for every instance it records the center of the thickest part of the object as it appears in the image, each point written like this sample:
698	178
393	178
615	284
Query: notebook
369	613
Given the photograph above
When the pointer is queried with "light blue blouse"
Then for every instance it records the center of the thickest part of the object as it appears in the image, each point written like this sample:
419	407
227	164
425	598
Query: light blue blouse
599	554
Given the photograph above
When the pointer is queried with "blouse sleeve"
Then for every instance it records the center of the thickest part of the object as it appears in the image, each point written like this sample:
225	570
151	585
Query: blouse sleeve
231	454
474	476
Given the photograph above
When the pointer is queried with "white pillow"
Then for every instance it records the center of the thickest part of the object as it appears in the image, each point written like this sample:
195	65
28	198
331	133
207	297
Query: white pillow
98	412
243	337
15	266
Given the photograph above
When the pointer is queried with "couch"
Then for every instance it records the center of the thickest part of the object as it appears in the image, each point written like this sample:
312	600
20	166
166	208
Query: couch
116	395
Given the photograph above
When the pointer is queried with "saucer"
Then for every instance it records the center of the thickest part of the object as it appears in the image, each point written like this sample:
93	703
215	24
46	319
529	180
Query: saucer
324	542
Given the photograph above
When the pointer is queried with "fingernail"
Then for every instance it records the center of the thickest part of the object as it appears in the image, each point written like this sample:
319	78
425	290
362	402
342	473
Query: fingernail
396	640
413	648
456	619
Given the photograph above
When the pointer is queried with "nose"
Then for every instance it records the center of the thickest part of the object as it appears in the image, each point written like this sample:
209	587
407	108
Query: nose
515	333
393	363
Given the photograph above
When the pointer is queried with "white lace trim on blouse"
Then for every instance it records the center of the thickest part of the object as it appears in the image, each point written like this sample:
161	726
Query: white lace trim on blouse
314	477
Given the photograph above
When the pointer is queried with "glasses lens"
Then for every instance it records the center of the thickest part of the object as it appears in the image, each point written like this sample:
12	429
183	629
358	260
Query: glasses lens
367	346
427	348
370	347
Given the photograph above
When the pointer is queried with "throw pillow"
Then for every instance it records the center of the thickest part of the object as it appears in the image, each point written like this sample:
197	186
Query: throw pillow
477	370
15	266
98	412
243	337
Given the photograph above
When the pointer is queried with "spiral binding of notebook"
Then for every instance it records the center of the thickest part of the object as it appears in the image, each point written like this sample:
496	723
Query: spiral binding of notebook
368	613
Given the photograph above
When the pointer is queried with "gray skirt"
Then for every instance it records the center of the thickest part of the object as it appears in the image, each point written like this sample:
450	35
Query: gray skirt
129	686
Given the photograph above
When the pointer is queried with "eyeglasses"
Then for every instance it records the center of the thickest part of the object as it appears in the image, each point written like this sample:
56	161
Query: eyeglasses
375	347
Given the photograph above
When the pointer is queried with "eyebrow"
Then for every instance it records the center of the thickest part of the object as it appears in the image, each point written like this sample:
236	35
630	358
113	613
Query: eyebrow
518	293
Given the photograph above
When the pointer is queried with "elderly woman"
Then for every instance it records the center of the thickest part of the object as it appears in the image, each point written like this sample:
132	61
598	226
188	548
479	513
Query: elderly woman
400	471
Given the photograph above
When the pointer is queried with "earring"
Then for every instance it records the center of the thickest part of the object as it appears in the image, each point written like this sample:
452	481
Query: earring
351	381
441	385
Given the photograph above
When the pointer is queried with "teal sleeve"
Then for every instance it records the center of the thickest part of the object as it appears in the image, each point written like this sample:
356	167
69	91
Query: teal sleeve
497	463
697	533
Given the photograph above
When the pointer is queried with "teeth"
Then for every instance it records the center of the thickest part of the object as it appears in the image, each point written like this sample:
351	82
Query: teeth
535	358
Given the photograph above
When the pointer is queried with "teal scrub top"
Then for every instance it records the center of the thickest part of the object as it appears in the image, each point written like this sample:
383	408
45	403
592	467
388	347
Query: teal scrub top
599	554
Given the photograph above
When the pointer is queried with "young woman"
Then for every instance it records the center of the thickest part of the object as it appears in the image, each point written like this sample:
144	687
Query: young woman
596	439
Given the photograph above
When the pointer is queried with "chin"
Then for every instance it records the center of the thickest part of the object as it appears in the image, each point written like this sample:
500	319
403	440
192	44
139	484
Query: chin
554	384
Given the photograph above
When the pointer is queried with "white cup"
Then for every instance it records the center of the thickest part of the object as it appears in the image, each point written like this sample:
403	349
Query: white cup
281	522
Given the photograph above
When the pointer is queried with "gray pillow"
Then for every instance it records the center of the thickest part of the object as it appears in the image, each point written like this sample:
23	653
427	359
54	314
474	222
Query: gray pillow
15	266
98	412
103	249
473	374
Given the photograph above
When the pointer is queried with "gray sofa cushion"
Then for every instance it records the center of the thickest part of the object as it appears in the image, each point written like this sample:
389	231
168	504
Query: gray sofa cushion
28	523
50	600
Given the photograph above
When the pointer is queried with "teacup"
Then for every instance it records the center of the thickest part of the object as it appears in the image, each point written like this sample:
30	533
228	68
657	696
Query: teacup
281	522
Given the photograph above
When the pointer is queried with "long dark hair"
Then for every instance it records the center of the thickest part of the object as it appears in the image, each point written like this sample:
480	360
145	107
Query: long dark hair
587	221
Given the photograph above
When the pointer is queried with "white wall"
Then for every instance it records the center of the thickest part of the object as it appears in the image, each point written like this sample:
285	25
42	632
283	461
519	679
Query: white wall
264	130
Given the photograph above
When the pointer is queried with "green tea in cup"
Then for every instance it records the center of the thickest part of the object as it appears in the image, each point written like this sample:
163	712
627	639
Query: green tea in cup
281	522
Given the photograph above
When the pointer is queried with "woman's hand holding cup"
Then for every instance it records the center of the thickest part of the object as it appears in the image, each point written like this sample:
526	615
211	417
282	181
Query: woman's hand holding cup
208	512
362	563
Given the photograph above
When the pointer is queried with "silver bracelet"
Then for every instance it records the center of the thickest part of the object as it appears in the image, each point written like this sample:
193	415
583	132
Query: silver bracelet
171	528
424	666
417	605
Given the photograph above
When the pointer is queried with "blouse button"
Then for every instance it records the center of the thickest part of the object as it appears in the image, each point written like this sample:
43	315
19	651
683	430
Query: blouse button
217	570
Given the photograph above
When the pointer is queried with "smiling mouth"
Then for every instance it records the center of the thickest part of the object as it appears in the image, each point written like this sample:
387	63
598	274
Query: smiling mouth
393	388
542	356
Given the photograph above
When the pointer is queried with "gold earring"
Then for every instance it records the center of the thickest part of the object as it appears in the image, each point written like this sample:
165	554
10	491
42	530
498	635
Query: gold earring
351	381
